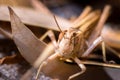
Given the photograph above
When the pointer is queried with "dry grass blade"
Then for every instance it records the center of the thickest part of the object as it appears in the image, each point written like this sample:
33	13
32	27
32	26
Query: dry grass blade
29	46
5	33
35	18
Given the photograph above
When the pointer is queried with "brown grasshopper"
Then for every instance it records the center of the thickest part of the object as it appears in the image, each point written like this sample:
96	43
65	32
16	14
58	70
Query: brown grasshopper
72	44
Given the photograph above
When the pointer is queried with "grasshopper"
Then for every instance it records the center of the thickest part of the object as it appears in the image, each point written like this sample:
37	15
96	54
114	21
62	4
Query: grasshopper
72	44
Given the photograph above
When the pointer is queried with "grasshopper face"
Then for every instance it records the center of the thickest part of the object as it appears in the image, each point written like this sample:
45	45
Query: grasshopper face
70	44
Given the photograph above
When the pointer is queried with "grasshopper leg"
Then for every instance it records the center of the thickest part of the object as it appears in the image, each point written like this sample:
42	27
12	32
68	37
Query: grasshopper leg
39	69
51	35
82	66
104	52
98	41
92	47
44	35
104	46
113	51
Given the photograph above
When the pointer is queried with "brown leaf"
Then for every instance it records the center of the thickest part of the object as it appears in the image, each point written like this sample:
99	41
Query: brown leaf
29	46
58	69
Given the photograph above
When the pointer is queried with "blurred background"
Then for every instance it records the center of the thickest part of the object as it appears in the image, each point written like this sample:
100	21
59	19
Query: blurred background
68	9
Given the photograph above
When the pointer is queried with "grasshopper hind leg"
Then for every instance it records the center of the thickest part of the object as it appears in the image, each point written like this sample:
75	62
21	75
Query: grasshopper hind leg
104	51
82	66
104	46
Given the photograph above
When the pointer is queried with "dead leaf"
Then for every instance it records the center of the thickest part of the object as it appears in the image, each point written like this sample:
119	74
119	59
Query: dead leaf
27	43
59	69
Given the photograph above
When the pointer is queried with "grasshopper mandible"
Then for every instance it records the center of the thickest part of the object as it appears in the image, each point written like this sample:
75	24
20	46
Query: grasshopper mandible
72	44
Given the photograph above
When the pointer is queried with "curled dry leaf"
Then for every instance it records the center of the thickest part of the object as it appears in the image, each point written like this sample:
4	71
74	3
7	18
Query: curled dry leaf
28	44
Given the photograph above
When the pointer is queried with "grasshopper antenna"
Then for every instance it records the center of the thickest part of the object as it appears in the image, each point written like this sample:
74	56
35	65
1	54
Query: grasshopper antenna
62	33
57	23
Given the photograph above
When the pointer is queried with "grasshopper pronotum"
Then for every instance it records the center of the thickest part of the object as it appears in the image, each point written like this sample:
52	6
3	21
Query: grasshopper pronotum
72	43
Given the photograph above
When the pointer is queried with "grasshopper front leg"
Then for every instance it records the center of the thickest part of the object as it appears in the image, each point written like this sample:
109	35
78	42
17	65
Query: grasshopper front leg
51	35
82	66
